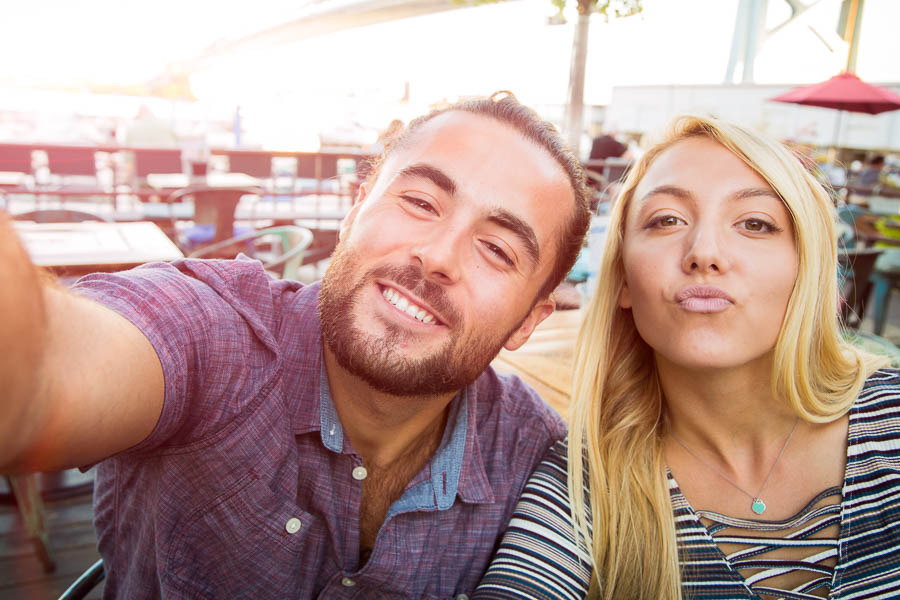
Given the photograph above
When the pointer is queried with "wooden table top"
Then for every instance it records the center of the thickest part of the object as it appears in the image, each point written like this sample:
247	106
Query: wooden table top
545	361
95	246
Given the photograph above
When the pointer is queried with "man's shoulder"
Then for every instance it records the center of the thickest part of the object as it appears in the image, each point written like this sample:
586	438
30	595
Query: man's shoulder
513	404
241	282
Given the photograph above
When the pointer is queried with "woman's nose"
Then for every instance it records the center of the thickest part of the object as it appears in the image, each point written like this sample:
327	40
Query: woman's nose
705	252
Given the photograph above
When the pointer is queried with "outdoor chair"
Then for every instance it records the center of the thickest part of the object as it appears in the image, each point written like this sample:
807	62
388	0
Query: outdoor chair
874	344
884	281
313	171
253	163
283	262
256	164
214	208
25	489
16	167
856	267
164	166
86	582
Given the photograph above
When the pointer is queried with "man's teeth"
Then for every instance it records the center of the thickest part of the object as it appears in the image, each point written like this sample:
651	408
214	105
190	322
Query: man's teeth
406	306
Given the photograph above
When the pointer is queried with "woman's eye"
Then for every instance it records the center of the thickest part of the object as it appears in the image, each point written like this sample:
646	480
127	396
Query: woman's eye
419	203
758	226
494	249
665	221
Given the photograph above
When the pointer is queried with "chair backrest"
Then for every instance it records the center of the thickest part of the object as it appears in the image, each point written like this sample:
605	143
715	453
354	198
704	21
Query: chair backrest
15	159
157	160
255	164
72	161
53	215
858	265
294	242
86	582
318	167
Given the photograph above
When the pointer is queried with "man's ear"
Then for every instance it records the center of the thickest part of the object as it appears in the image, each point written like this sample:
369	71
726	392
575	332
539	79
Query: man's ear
543	309
351	215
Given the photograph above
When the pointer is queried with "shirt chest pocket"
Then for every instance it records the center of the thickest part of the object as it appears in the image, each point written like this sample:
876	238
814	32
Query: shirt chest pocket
247	543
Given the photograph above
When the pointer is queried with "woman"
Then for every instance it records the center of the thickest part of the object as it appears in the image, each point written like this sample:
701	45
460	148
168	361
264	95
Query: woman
715	404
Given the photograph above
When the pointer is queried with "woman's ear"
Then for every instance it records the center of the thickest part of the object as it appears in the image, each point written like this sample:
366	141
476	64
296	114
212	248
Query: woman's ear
625	296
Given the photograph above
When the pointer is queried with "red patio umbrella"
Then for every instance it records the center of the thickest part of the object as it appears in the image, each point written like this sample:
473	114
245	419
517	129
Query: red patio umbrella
844	92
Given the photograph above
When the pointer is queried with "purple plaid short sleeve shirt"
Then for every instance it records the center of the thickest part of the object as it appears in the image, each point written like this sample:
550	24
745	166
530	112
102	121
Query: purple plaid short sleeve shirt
247	487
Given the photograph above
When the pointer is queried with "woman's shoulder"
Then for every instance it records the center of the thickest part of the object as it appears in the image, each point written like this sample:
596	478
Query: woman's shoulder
552	471
881	390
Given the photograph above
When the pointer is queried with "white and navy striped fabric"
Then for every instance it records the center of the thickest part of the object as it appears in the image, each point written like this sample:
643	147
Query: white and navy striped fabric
538	557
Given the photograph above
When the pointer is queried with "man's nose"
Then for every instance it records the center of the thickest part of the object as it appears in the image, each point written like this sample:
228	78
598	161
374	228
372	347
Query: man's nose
441	255
705	251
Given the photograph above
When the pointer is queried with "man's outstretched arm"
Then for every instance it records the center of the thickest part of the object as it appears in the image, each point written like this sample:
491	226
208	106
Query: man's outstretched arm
78	382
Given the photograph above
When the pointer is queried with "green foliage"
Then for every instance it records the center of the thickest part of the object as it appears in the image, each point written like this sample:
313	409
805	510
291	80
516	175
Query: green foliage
607	8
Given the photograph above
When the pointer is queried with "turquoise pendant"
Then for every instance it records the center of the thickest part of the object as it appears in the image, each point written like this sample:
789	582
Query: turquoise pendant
758	506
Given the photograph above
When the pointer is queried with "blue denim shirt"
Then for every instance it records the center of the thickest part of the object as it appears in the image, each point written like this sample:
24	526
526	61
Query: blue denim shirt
245	488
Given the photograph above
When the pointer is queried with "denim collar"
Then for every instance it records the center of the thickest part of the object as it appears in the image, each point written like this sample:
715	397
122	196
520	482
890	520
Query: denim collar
446	464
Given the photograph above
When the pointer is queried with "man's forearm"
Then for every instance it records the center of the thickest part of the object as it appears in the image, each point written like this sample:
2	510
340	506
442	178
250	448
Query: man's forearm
22	332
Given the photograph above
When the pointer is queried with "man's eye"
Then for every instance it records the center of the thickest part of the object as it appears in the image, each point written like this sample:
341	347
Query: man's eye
494	249
419	203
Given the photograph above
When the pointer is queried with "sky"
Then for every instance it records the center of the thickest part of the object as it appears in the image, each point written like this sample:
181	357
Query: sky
687	41
469	51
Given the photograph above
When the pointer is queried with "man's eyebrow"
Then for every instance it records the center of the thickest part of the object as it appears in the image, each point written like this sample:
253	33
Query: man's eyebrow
522	230
432	173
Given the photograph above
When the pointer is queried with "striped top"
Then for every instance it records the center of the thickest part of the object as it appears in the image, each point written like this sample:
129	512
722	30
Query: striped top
797	554
538	557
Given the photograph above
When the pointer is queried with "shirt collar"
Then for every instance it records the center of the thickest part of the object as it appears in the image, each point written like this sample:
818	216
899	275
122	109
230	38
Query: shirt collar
456	467
329	424
457	462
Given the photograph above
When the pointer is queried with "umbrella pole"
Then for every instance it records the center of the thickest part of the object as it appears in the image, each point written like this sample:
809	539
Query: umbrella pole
836	138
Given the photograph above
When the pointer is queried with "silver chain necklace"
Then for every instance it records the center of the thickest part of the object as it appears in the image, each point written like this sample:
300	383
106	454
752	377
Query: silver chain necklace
757	505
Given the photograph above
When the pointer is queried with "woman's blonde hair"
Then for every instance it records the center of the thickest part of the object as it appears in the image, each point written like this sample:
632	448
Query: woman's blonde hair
617	403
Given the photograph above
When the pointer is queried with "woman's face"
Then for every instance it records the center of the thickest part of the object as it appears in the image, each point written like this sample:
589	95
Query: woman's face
709	258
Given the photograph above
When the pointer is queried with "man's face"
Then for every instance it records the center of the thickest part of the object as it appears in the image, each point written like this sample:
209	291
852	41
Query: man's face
440	263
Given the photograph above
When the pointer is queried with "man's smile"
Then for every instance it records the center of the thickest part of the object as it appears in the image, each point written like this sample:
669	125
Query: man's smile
405	305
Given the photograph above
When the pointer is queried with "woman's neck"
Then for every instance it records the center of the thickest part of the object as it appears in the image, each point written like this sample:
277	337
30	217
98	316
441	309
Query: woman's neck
724	408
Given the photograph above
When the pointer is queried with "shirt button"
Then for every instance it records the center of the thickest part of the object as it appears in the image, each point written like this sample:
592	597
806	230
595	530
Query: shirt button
360	473
347	582
293	525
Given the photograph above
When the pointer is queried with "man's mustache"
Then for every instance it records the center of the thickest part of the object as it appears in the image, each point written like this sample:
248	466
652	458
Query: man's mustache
412	277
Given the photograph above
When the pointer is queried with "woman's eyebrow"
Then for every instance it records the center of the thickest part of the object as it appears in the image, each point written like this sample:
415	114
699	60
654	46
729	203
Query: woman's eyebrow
679	192
667	190
432	173
756	192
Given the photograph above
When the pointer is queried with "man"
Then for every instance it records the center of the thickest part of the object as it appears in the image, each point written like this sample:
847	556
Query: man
240	456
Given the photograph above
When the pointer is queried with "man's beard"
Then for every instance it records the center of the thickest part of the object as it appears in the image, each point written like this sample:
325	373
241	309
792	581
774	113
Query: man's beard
376	360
